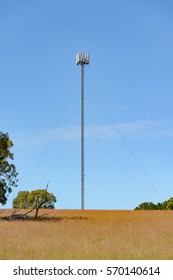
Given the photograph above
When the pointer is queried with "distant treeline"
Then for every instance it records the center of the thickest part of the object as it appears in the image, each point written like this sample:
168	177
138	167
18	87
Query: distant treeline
166	205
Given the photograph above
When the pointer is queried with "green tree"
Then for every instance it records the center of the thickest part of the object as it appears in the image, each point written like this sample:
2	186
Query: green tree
35	199
21	200
165	205
170	204
162	205
146	206
8	173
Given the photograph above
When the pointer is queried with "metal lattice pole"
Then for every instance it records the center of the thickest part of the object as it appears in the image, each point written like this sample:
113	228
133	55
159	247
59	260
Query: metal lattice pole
82	59
82	137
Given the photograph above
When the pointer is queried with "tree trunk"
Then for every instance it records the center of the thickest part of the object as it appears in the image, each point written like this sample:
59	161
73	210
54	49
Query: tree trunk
36	212
37	207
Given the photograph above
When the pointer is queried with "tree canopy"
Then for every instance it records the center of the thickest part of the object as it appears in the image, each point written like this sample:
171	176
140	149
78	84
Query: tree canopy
21	200
146	206
35	199
168	204
8	173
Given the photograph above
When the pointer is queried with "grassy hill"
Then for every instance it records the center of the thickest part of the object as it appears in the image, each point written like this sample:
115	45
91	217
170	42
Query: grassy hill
88	234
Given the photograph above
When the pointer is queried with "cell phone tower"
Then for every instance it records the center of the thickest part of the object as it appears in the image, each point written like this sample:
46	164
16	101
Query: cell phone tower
82	59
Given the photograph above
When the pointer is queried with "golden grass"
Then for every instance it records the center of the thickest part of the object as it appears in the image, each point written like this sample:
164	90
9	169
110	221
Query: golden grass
76	234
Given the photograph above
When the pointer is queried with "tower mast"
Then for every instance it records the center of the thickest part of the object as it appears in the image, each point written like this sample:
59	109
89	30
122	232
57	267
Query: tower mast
82	59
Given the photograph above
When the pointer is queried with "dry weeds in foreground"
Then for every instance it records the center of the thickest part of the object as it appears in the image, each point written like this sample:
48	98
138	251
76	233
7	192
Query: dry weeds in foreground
89	235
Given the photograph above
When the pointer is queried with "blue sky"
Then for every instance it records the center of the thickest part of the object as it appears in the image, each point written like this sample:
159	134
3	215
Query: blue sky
128	98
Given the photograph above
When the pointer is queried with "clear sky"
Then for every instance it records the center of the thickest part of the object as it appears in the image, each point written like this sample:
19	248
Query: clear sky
128	98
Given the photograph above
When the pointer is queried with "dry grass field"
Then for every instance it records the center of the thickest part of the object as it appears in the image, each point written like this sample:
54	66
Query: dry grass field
75	234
